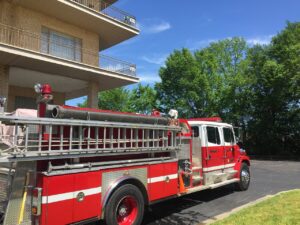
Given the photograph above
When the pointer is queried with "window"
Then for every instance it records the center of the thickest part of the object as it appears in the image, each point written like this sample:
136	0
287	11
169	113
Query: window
60	45
213	135
228	135
25	102
195	131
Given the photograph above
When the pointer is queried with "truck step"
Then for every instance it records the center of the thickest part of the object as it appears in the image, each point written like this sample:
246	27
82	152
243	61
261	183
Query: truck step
220	174
195	189
197	180
232	172
212	186
198	177
196	168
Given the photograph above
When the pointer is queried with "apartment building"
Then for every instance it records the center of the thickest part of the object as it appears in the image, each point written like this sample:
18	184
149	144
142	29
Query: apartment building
60	42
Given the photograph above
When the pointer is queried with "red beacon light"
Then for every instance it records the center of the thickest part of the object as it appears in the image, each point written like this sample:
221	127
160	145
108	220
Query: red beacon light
46	89
211	119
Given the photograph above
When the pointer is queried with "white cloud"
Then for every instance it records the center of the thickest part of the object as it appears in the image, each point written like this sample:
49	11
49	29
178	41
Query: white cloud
153	26
158	59
149	78
194	45
156	28
260	40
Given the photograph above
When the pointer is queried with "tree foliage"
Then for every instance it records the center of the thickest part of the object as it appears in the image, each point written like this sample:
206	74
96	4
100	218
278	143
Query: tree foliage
275	116
141	99
208	82
256	87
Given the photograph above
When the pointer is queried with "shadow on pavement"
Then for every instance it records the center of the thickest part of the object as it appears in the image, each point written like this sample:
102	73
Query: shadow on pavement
174	211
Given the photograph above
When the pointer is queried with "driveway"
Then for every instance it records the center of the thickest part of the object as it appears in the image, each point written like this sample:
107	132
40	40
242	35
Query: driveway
268	177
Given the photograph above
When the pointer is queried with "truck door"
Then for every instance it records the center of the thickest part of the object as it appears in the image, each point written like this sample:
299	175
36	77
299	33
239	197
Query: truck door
229	143
214	151
196	144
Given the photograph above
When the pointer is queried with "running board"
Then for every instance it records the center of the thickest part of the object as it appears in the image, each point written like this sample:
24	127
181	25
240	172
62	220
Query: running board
195	189
212	186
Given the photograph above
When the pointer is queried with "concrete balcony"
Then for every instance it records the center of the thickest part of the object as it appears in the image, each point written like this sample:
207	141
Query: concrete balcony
111	24
23	49
106	8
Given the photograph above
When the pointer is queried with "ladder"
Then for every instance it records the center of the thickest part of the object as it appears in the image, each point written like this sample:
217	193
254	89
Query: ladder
48	138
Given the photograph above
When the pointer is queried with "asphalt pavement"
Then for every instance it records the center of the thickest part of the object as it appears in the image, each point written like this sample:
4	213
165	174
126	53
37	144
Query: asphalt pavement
267	178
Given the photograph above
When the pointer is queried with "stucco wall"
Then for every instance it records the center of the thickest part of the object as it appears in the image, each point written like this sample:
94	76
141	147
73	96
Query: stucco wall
58	98
32	21
4	79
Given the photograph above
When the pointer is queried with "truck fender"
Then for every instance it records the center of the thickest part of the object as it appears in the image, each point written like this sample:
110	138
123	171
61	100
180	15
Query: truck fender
118	183
242	159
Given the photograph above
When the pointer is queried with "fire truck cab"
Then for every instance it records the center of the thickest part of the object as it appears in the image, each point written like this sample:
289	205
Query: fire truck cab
73	165
216	151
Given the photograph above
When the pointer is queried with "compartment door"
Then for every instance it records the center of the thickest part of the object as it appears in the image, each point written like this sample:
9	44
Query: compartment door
87	196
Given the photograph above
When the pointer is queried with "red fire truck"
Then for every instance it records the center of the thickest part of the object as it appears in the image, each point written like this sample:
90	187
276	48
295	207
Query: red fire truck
75	165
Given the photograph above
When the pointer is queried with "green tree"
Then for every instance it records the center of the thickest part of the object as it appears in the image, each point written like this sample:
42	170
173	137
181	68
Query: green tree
142	99
115	99
182	85
224	64
209	82
274	126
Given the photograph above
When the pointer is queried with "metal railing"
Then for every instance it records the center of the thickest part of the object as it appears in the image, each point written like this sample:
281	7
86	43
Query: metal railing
109	10
43	44
115	65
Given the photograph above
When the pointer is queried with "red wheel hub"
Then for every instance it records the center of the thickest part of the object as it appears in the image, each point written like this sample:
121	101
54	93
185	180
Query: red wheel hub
127	211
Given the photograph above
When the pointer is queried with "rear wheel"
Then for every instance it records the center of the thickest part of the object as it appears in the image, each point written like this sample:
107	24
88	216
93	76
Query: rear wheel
244	182
125	207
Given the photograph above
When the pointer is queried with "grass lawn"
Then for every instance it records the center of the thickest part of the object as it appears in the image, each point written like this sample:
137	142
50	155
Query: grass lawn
281	209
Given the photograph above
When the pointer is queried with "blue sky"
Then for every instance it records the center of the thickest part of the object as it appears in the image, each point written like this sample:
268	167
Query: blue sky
172	24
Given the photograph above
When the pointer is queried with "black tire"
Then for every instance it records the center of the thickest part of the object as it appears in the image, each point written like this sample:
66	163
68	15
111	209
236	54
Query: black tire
115	205
245	178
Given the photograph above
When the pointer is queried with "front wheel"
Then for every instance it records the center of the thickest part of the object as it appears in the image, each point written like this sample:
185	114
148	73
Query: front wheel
125	207
244	182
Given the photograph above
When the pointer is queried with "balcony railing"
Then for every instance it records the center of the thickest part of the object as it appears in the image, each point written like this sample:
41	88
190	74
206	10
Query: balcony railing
35	42
106	8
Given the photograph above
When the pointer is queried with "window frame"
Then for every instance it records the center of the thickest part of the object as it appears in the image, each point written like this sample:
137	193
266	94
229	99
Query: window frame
233	136
206	136
48	41
192	128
